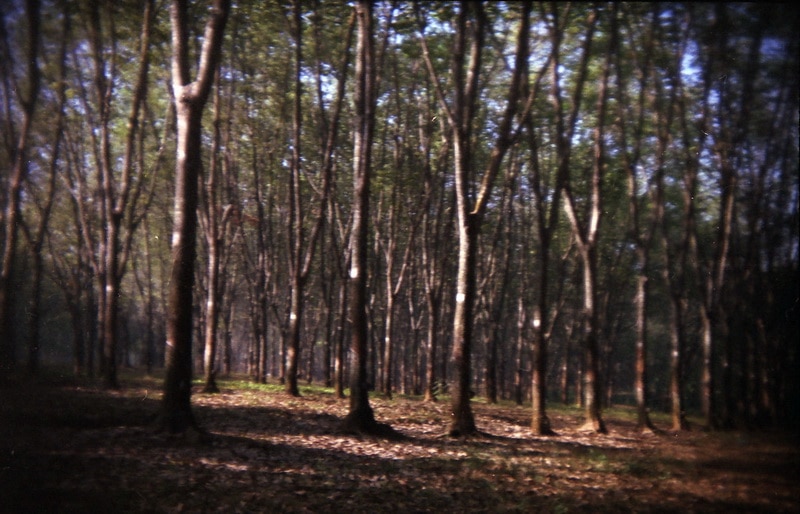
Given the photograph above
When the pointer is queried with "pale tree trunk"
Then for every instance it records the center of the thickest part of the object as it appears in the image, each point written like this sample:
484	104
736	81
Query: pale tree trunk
519	357
673	270
36	237
145	287
460	118
387	370
339	352
469	212
214	217
548	216
467	225
27	99
190	99
433	255
642	241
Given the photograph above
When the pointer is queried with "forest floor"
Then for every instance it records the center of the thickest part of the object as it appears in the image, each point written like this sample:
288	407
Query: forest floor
67	445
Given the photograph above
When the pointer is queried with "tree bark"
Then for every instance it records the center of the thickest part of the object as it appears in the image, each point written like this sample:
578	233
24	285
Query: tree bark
360	418
27	100
546	226
214	216
190	99
586	235
641	236
36	237
470	212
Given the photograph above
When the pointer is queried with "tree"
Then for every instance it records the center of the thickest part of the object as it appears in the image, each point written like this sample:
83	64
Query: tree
360	418
117	197
547	217
471	205
302	248
729	128
27	95
586	233
387	240
335	347
641	236
214	219
546	221
37	236
298	272
674	254
190	99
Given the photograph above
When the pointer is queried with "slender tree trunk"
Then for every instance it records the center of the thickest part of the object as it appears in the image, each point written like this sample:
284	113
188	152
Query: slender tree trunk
547	218
433	266
470	208
36	238
463	422
642	416
211	320
19	170
360	418
432	328
190	98
339	353
296	276
642	241
519	359
214	218
586	233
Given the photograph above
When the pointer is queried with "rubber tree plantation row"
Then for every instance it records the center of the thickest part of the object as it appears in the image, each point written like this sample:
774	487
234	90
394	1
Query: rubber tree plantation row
537	202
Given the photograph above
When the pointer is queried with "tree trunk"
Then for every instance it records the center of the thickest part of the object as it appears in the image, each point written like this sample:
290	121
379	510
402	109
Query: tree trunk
296	232
360	418
463	421
37	237
641	236
214	215
339	353
591	356
643	422
586	233
19	170
190	98
470	208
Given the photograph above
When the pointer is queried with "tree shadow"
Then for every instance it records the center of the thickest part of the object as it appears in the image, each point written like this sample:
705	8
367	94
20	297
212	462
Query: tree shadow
72	449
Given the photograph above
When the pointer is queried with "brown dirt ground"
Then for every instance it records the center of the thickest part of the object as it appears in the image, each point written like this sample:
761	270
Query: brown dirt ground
67	446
